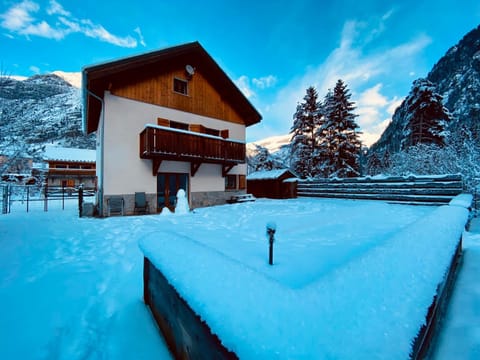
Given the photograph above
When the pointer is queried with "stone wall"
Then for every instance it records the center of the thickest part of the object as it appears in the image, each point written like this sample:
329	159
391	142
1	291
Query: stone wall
211	198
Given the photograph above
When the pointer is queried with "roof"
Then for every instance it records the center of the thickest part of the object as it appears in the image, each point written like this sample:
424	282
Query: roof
269	174
96	79
69	154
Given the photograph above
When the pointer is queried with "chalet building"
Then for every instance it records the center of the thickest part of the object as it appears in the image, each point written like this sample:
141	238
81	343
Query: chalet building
166	120
68	167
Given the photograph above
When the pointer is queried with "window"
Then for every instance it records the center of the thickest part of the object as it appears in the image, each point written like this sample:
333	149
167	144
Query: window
213	132
178	125
180	86
231	182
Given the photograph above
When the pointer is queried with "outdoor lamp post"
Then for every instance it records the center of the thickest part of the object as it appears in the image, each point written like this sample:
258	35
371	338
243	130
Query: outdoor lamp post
271	228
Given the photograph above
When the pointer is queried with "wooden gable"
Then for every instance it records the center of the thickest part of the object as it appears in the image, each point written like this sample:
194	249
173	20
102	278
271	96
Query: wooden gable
158	88
149	78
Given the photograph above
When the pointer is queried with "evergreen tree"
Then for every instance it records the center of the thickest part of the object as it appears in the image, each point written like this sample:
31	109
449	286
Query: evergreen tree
339	145
427	117
305	121
263	160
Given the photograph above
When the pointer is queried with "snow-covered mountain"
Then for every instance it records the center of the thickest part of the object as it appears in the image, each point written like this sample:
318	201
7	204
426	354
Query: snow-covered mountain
274	144
456	78
40	110
73	78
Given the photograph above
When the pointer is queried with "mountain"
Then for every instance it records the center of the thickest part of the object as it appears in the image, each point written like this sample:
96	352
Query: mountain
40	110
278	149
456	79
275	145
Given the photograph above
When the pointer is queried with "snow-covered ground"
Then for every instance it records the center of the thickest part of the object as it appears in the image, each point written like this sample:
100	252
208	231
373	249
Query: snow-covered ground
460	338
71	288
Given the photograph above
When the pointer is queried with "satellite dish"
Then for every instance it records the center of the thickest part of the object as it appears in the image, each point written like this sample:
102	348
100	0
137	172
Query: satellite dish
190	70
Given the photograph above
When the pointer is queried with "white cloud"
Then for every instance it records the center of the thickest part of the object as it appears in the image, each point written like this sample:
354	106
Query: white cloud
99	32
265	82
243	83
372	97
140	36
34	69
56	8
19	16
43	29
393	105
246	86
20	19
360	70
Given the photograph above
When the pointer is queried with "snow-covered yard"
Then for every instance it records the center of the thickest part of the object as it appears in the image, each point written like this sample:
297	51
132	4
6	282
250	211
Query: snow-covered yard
71	288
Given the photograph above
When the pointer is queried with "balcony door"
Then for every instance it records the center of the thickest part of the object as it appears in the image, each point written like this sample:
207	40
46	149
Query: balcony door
168	185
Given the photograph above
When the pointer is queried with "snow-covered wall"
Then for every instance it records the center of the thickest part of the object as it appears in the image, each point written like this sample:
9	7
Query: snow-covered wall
370	307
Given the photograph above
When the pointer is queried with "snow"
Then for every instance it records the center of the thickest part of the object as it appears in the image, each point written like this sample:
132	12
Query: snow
460	338
339	283
463	200
267	174
73	78
190	132
351	279
69	154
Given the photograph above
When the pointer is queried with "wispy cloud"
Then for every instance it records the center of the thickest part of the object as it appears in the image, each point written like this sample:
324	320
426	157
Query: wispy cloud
34	69
247	86
55	22
360	69
55	8
265	81
140	36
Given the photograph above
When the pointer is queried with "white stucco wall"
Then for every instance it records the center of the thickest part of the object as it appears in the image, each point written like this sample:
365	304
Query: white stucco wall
126	173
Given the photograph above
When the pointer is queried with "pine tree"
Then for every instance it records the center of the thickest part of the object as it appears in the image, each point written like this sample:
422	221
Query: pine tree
427	117
305	121
263	160
339	143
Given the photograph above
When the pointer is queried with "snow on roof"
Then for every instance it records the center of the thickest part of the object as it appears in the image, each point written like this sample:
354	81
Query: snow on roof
267	174
69	154
463	200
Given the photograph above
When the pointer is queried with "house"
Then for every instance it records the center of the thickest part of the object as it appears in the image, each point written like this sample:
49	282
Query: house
15	167
275	184
69	167
167	120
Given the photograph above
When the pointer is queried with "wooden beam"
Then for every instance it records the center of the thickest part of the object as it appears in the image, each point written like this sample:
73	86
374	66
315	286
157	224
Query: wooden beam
226	168
194	166
155	166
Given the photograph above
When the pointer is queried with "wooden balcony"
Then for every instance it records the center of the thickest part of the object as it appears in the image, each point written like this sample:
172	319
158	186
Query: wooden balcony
161	143
71	172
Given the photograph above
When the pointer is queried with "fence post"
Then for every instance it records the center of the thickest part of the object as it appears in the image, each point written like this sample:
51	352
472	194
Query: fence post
80	200
4	199
28	195
45	204
63	195
9	198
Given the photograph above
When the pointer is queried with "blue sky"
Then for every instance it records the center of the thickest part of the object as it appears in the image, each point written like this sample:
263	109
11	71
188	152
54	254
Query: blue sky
272	50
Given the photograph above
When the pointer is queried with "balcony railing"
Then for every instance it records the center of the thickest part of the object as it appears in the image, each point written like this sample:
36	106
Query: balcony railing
160	143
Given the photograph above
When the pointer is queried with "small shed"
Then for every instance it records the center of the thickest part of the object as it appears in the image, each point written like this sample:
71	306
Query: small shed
275	184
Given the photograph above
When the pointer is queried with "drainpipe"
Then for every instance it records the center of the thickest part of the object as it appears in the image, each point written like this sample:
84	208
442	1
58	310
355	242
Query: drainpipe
102	146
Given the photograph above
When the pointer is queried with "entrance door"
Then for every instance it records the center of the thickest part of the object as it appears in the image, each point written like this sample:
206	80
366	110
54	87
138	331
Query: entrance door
168	185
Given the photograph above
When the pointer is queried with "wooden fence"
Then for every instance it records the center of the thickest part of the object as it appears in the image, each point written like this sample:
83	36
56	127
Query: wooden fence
420	190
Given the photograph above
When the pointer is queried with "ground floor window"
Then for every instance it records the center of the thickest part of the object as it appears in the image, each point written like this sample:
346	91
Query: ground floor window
235	182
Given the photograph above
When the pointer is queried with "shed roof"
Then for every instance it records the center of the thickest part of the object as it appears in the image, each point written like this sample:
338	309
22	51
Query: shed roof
96	79
59	153
270	174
